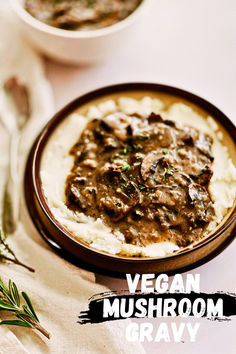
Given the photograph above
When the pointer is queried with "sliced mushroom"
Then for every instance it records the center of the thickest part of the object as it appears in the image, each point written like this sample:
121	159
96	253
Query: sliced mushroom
204	176
171	123
155	118
80	180
110	144
137	215
189	136
203	144
75	197
114	207
168	196
132	192
163	195
164	137
197	193
149	164
107	127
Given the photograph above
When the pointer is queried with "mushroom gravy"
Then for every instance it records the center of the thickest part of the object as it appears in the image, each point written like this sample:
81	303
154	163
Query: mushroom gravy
144	176
81	14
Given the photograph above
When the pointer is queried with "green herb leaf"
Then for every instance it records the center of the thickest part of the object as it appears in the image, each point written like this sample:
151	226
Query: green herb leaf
24	319
6	306
16	294
16	323
125	168
4	291
128	148
138	147
118	156
141	187
168	172
26	297
165	151
26	312
143	136
2	287
11	293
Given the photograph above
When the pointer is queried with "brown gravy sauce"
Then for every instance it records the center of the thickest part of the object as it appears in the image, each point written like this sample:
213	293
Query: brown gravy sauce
81	14
144	176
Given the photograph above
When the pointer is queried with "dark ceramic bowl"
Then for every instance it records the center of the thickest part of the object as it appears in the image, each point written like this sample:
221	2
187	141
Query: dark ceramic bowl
82	254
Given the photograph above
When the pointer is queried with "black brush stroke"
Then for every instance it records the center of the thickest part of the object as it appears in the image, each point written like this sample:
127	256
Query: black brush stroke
94	314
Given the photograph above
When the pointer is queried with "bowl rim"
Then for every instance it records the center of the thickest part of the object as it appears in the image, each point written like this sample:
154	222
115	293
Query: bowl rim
25	16
86	98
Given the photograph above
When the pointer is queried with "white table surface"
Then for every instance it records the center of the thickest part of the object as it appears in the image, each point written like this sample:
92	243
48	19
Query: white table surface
190	44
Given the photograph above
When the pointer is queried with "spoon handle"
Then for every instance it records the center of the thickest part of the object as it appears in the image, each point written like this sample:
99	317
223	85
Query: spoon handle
10	213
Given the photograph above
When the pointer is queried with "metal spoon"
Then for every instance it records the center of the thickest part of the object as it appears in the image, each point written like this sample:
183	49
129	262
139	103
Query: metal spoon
14	115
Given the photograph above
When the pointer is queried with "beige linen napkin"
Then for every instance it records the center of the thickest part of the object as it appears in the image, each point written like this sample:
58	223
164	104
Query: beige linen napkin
58	289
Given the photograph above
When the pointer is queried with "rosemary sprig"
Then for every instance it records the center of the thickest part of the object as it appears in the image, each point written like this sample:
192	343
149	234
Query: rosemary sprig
8	255
25	314
8	223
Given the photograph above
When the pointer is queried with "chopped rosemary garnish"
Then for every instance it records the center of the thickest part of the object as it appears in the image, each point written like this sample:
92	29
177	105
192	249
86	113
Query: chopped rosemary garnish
141	187
118	156
128	148
165	151
125	167
168	172
118	204
138	147
143	136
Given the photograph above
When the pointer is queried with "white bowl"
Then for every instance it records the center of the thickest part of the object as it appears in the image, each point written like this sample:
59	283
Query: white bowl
75	47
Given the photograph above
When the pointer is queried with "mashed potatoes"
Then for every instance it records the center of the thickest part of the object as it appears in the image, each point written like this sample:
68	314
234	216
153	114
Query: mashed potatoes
57	163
